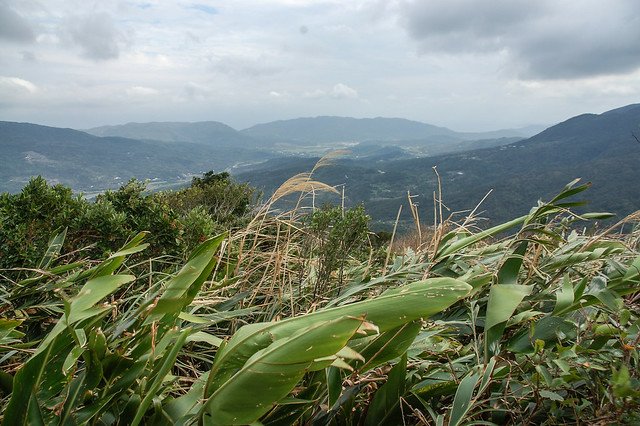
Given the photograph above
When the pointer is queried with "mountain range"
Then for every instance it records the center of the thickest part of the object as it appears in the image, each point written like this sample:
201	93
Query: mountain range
388	157
601	149
169	153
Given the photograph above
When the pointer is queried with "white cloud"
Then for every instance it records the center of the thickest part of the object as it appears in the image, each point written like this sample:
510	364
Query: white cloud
17	85
342	91
338	91
142	91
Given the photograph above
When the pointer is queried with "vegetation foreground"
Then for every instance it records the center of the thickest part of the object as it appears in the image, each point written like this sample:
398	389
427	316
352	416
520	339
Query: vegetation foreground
289	318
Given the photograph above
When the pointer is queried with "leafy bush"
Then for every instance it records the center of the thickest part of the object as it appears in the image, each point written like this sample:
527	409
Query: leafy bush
226	201
336	236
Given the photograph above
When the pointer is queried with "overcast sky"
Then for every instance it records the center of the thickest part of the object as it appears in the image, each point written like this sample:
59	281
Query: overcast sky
465	64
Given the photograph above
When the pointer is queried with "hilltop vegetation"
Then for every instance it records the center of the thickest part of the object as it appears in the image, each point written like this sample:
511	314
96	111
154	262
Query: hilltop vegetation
322	323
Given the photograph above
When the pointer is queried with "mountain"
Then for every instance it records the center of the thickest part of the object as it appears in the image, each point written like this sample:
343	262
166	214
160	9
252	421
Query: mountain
204	132
325	129
90	163
597	148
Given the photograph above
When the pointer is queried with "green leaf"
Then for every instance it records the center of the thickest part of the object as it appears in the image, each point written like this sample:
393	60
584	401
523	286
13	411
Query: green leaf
467	241
508	273
23	407
334	384
503	301
551	395
202	336
55	245
81	306
390	310
271	373
388	345
462	400
387	398
183	287
164	368
570	189
564	297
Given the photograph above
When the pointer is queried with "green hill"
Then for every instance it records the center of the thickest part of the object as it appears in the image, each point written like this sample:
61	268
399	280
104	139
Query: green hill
90	163
204	132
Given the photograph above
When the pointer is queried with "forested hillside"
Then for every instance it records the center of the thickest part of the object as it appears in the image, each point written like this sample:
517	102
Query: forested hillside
600	149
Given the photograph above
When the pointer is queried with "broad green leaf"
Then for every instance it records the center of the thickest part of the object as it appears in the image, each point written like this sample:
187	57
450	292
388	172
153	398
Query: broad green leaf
546	329
55	245
570	189
7	327
164	368
82	307
462	400
271	373
551	395
183	287
467	241
388	345
114	261
564	297
390	310
509	271
202	336
23	407
334	384
503	301
180	410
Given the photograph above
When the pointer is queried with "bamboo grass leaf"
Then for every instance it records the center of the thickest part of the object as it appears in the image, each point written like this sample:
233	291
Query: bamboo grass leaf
503	301
472	239
53	250
564	297
271	373
462	400
508	273
390	310
388	345
185	285
387	398
164	368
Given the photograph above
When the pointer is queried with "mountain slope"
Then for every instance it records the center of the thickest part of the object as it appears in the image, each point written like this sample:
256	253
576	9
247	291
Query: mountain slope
327	129
596	148
337	129
86	162
204	132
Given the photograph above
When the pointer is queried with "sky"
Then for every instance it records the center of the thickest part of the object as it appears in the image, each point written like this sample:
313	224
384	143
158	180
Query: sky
470	65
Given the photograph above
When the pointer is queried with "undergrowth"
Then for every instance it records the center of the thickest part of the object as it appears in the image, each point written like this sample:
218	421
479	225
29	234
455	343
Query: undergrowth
288	319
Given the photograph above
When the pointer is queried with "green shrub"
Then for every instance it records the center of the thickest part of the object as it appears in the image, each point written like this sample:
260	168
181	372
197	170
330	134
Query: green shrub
336	236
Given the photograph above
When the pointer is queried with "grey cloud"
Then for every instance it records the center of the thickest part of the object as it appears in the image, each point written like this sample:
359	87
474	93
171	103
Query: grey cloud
543	39
14	27
97	36
246	66
28	56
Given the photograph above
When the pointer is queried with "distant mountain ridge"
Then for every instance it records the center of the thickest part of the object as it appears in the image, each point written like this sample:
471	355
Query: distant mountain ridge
325	129
92	163
203	132
599	148
596	147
